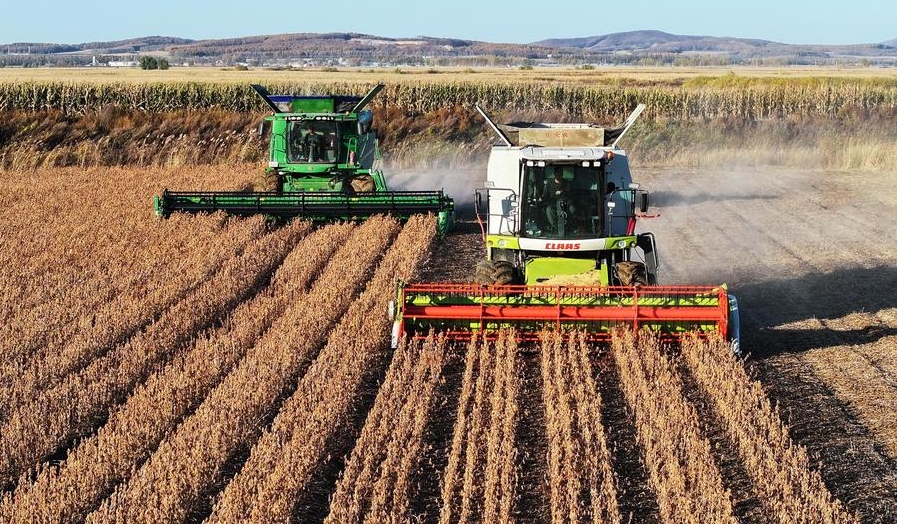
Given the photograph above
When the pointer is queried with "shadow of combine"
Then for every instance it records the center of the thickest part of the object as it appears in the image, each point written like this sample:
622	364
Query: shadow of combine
833	295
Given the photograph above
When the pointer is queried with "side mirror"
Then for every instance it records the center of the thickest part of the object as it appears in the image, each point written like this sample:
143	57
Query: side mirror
643	202
478	203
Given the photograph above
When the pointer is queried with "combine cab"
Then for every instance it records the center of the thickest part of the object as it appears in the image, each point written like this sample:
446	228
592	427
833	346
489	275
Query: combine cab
558	213
324	161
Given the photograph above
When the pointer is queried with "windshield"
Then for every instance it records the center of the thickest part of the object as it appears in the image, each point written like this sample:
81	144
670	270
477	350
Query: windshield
312	141
562	201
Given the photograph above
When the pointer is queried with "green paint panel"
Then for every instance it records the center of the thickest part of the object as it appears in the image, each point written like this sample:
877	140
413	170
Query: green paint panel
503	241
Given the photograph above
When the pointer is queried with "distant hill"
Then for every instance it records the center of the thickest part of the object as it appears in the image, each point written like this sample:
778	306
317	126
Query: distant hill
133	45
738	49
355	49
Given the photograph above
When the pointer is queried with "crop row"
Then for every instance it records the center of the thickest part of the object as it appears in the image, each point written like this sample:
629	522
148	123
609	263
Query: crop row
580	473
191	459
681	468
789	491
38	428
777	99
75	284
286	459
91	470
76	345
375	484
480	480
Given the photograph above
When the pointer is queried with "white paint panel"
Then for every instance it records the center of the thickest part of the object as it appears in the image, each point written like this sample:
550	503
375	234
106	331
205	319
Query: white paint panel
503	172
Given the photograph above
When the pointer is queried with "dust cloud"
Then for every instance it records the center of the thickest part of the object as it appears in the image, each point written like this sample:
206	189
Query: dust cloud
713	224
459	182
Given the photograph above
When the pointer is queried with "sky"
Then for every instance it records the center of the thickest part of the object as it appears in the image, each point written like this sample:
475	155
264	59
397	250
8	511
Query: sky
521	21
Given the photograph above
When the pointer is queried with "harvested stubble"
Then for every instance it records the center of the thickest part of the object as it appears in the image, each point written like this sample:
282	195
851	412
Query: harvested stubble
480	483
190	460
779	470
91	471
682	472
865	380
581	478
374	486
284	461
75	407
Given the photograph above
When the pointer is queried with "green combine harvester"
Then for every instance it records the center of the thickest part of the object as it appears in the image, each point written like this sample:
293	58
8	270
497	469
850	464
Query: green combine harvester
324	157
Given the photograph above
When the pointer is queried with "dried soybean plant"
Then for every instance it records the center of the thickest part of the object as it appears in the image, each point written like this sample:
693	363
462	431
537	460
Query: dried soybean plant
681	469
376	482
285	460
191	459
92	469
581	479
780	471
480	481
111	293
38	428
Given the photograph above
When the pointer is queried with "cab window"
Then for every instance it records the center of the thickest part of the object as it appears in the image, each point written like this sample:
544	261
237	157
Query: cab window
313	142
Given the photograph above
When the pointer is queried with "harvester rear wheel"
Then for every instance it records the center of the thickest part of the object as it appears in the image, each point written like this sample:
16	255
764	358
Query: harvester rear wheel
494	272
632	274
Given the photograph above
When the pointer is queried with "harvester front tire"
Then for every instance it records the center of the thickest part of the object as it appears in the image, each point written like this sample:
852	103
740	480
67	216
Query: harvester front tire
494	272
632	274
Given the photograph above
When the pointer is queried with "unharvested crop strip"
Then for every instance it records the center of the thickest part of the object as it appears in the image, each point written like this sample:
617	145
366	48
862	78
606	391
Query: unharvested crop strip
59	262
74	407
760	98
121	317
580	474
454	469
682	473
389	500
500	489
284	461
190	460
780	471
92	469
353	491
481	476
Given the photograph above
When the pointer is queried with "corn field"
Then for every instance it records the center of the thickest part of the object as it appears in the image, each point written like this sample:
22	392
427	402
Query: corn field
762	100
